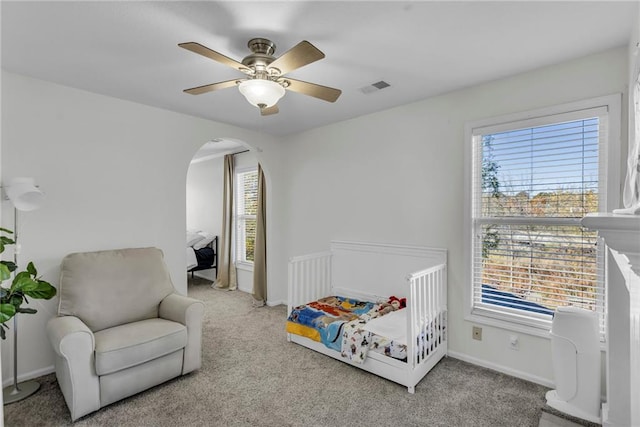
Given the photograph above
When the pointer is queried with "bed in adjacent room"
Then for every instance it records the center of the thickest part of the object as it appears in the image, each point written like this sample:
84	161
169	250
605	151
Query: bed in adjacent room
202	251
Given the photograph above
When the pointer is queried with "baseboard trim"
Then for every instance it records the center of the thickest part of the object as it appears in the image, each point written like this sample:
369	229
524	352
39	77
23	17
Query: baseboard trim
245	290
269	303
29	375
274	303
495	367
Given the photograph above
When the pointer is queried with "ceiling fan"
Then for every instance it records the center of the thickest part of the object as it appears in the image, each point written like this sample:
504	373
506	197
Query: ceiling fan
265	80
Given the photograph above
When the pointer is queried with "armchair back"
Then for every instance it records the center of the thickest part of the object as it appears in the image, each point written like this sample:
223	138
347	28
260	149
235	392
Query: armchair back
110	288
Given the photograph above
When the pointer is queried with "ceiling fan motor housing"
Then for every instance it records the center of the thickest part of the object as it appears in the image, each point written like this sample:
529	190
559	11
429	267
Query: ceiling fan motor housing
262	56
260	45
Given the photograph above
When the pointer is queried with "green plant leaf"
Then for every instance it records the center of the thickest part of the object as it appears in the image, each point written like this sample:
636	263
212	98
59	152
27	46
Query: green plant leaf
6	240
6	230
32	269
7	311
44	290
16	299
10	265
5	273
23	282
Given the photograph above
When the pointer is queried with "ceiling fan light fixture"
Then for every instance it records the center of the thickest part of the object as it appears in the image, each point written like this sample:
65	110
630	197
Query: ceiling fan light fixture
261	93
266	82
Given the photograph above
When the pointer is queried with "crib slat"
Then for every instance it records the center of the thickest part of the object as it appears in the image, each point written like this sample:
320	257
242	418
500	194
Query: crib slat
424	320
309	278
436	311
428	302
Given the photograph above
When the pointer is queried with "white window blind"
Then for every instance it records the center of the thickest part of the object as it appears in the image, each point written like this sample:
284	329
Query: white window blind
533	181
246	206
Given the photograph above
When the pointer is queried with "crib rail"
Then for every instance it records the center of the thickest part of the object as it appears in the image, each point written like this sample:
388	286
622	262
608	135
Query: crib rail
309	278
427	316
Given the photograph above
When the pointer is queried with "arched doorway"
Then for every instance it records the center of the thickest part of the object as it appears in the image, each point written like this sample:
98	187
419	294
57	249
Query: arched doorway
204	207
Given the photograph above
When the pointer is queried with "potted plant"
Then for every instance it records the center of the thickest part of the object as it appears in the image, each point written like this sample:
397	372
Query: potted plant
24	284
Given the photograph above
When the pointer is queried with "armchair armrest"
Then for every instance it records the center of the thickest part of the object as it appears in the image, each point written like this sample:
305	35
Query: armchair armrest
74	345
189	312
63	327
180	309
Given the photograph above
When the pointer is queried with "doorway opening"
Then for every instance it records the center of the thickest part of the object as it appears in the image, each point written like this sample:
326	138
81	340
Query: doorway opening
204	213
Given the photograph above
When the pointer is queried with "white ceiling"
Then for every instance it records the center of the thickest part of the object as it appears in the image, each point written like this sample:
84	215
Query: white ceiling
129	50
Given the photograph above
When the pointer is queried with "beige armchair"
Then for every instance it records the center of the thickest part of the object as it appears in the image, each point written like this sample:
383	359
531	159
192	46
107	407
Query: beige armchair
121	328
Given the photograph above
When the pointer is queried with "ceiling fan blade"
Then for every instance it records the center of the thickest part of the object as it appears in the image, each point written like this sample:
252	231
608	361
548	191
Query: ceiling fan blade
212	54
214	86
298	56
317	91
269	111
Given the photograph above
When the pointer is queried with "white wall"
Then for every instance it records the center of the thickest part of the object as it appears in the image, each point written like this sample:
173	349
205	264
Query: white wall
115	176
397	176
204	196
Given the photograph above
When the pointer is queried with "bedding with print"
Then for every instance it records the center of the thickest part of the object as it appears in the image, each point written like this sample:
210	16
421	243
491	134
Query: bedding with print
388	337
338	323
323	320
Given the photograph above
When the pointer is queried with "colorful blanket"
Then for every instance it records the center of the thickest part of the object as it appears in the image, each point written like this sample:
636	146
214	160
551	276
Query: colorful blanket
354	328
323	320
338	323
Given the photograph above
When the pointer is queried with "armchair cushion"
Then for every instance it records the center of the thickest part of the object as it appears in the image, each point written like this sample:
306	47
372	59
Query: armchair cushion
111	288
129	345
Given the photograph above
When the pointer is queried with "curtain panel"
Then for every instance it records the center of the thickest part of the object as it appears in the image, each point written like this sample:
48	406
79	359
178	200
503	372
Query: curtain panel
226	278
260	251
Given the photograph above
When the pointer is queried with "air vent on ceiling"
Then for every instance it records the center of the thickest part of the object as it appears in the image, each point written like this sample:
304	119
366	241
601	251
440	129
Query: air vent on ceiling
374	87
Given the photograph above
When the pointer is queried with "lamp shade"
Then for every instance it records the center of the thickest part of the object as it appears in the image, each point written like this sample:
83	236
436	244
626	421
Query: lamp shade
24	194
261	93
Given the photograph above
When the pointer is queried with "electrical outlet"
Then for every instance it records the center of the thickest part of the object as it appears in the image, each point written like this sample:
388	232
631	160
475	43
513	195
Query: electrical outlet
476	333
514	342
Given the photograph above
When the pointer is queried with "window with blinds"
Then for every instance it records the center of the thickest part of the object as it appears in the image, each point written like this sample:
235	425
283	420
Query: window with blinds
533	181
246	204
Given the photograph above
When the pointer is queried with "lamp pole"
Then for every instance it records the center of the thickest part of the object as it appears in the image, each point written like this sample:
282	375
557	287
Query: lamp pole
17	392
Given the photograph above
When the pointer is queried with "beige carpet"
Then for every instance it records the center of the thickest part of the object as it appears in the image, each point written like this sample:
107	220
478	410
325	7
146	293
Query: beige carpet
251	376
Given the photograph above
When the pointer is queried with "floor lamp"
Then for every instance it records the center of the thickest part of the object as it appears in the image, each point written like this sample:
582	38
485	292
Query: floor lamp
25	196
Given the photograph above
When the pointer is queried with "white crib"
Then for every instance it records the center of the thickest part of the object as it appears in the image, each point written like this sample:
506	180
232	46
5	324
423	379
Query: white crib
373	272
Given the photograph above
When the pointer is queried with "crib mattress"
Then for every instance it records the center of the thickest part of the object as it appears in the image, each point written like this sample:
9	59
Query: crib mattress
388	337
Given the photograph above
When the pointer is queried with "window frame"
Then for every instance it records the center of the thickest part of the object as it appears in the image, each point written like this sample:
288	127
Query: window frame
609	168
239	218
